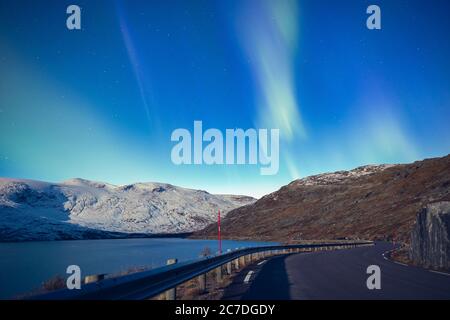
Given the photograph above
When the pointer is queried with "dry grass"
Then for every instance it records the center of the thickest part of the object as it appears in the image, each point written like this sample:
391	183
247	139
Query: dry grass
55	283
402	255
378	206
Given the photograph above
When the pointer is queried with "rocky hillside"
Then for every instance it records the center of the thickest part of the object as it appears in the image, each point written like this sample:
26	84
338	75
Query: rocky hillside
370	202
74	209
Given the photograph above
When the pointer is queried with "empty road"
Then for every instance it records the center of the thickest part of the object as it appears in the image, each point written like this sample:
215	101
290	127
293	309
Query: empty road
339	274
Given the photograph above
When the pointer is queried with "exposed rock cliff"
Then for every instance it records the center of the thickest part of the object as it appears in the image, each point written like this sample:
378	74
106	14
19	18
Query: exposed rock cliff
430	238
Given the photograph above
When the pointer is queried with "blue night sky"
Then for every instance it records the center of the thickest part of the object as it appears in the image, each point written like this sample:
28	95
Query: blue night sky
101	103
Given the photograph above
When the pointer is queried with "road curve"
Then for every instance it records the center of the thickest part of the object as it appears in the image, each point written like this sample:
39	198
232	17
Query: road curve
339	274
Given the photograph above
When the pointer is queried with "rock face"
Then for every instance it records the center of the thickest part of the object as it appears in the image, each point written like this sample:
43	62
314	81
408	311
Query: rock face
430	238
370	202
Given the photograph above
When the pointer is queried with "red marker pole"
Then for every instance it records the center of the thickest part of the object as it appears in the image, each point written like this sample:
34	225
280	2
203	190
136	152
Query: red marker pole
218	233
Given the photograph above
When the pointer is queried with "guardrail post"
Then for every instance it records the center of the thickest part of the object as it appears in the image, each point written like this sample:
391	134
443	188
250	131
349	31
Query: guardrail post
229	264
171	294
219	274
94	278
236	264
242	260
202	282
229	268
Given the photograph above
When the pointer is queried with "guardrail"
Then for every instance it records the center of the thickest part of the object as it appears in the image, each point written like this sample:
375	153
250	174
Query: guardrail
147	284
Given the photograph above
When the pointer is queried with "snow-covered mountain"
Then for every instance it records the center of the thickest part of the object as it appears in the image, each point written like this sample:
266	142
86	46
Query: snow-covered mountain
77	209
342	176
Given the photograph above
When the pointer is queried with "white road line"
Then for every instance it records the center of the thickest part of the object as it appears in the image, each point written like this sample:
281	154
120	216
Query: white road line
445	274
260	263
405	265
248	276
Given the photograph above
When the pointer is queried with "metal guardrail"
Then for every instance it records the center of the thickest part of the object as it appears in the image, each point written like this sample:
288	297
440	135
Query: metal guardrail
147	284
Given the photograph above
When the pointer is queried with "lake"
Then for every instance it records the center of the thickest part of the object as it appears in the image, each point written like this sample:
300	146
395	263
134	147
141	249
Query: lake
25	265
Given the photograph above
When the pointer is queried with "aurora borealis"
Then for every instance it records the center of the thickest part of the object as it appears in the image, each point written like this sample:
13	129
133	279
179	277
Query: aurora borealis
101	103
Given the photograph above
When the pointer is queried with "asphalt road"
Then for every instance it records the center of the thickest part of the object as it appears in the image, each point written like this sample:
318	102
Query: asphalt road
339	274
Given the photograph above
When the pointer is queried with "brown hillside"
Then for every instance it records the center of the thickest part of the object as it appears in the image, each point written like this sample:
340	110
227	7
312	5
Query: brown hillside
371	202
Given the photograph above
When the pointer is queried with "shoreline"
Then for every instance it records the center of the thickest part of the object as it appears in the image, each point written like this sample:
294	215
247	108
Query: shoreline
119	236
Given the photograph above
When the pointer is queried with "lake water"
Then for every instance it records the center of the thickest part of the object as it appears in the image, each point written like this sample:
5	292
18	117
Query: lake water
25	265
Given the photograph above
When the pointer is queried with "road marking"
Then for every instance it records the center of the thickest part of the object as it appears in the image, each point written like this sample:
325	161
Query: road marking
260	263
445	274
248	276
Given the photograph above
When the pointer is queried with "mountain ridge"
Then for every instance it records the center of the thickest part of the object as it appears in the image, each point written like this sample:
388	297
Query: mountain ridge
370	202
39	210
